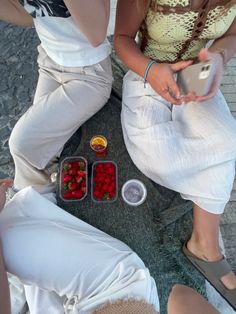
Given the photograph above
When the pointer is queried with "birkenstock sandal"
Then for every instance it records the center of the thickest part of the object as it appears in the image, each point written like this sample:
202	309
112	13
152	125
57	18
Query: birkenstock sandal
213	272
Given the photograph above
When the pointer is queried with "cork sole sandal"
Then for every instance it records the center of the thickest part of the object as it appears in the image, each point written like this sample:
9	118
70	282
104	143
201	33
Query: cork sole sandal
213	272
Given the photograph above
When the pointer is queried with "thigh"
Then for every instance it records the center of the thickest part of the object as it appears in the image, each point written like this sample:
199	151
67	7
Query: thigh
46	246
57	257
52	120
206	119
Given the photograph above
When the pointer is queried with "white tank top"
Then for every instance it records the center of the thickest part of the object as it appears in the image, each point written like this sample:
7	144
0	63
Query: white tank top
61	37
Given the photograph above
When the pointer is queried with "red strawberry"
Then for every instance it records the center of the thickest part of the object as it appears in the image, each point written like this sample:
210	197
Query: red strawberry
84	189
72	171
75	165
72	186
67	195
111	171
107	180
79	179
81	165
67	178
66	165
96	194
99	167
81	173
111	195
77	194
105	187
83	184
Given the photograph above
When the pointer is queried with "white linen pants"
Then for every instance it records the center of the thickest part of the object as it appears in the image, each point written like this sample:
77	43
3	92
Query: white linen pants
189	148
62	259
65	98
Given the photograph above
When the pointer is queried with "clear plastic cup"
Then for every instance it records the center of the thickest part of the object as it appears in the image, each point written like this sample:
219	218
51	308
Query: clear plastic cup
98	144
134	192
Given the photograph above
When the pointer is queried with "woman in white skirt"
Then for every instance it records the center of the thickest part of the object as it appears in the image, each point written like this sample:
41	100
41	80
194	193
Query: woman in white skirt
68	266
187	144
74	81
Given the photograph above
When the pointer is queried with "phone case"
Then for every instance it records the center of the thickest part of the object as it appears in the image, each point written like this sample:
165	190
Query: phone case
196	78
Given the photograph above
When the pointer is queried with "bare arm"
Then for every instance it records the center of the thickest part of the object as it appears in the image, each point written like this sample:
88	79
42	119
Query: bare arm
5	305
92	18
12	12
128	21
226	42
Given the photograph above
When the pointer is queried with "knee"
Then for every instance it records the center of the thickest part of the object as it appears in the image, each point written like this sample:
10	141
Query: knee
18	143
178	290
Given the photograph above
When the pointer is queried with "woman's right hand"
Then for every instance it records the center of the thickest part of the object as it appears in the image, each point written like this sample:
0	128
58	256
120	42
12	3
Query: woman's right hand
160	77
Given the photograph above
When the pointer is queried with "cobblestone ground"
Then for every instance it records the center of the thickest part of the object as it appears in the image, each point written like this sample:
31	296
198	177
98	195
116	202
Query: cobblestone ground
18	70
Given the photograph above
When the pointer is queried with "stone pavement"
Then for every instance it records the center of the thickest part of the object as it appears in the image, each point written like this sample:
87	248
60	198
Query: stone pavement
228	223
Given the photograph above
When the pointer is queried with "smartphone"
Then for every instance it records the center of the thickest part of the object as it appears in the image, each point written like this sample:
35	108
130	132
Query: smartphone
197	78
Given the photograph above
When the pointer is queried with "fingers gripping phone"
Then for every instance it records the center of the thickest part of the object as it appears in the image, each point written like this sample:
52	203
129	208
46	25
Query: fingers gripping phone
197	78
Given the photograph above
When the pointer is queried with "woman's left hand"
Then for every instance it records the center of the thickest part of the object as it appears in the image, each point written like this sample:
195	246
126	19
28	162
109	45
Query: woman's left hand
4	185
216	57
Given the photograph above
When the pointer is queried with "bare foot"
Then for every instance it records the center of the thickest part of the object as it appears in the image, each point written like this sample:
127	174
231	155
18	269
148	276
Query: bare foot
212	255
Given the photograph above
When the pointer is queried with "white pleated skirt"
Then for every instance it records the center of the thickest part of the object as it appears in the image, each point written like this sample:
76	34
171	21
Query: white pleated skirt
189	148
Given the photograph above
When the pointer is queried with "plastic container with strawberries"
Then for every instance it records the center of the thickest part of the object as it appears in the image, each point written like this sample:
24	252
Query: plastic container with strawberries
104	186
73	182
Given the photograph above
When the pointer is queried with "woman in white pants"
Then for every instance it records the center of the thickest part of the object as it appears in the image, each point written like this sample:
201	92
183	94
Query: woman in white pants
74	81
188	147
66	265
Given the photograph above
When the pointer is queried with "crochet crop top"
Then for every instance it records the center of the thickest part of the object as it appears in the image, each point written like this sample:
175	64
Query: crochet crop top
174	30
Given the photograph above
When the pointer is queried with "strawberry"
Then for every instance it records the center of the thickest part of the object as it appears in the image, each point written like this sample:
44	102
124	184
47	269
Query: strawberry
77	194
67	178
75	165
99	167
107	180
81	174
106	197
68	195
81	165
111	171
111	195
72	186
83	184
72	171
78	179
66	165
83	189
105	187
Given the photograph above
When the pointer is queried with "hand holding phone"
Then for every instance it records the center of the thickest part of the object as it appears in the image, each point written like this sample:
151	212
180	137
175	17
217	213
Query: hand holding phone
197	78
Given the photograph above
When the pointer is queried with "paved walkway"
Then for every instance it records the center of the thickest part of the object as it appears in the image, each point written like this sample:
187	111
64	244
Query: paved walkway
228	225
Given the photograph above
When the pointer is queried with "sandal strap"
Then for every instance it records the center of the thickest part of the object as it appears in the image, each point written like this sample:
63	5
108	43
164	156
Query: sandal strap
220	268
216	269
